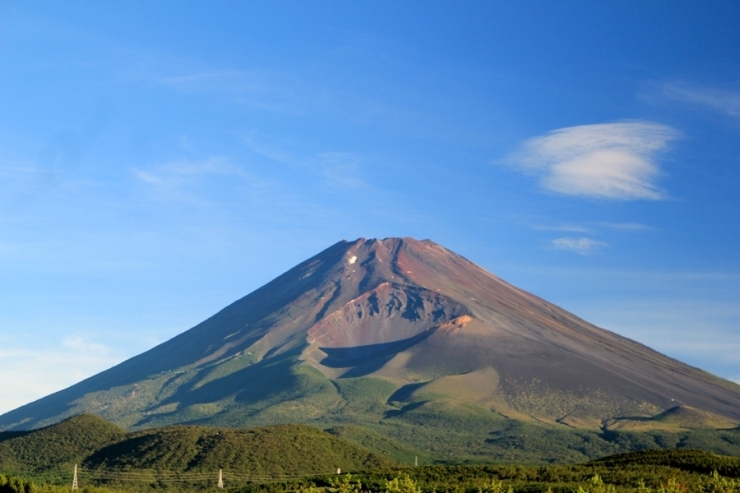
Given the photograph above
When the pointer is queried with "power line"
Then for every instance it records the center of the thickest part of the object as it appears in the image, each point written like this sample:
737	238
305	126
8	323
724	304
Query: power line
180	477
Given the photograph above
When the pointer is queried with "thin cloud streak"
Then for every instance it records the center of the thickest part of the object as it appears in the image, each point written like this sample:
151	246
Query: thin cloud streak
273	188
615	161
700	330
581	246
259	89
338	169
624	226
341	169
727	102
191	180
176	172
566	228
591	226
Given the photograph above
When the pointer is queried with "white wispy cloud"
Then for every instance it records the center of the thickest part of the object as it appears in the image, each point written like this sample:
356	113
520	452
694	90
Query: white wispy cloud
702	332
213	165
47	370
566	228
691	315
341	169
724	101
623	226
170	177
338	169
20	176
608	161
274	186
589	227
259	89
581	246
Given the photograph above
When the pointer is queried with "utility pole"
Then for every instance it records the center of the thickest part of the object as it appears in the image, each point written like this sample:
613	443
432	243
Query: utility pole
74	479
416	460
220	479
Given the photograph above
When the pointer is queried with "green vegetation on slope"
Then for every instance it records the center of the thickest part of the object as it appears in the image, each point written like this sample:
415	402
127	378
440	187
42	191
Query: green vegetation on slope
434	431
696	461
633	475
444	432
15	484
57	446
404	423
434	428
379	443
108	454
274	450
675	471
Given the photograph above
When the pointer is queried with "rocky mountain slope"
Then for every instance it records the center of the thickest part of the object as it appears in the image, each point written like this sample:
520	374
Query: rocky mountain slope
372	331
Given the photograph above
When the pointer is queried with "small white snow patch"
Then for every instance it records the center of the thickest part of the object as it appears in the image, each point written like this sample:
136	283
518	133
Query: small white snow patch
353	259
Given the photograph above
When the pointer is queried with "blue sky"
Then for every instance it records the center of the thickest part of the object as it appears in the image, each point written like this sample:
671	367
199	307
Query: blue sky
159	160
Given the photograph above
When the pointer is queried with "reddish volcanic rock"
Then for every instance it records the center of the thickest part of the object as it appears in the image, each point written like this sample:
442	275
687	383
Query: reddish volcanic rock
387	313
410	312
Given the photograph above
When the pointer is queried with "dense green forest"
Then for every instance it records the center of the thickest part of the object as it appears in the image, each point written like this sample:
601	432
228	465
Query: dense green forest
299	458
664	471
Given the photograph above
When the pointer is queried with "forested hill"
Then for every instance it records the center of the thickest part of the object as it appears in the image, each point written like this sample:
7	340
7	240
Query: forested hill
96	445
671	471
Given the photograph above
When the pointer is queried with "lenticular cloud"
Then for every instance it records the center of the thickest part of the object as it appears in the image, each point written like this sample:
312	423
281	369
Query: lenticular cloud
608	160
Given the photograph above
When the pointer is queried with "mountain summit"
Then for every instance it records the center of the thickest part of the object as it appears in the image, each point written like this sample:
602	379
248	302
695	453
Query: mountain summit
372	330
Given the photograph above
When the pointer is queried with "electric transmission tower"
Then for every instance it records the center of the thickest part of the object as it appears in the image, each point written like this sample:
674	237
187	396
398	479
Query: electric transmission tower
74	479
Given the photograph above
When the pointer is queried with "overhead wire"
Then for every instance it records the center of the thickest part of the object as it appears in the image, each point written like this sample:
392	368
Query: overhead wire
180	477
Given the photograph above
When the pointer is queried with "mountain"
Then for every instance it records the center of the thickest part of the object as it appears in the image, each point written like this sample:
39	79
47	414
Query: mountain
400	336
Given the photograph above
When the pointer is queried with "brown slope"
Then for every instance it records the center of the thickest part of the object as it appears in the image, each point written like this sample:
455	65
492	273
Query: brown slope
411	312
674	419
548	363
